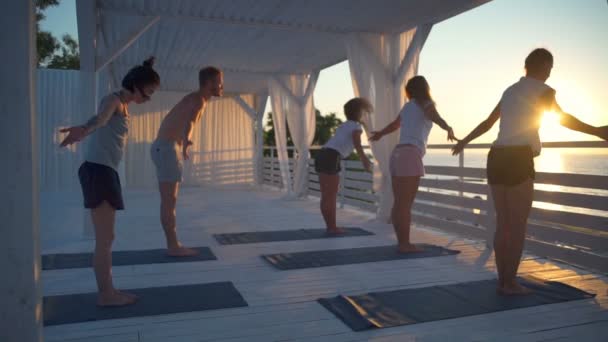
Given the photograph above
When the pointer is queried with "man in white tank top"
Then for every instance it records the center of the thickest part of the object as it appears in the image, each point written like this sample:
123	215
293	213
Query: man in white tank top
510	167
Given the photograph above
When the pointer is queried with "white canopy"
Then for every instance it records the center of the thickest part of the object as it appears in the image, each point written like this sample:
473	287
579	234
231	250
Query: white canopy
248	39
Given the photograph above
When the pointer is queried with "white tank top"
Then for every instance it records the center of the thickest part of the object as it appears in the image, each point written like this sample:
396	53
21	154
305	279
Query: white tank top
415	126
520	114
342	141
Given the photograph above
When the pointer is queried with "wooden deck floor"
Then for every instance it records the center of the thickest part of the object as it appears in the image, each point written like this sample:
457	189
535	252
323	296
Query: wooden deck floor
282	304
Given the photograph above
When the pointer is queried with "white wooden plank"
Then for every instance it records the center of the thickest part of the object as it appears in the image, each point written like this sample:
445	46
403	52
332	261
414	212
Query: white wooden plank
454	184
574	180
572	199
573	219
456	171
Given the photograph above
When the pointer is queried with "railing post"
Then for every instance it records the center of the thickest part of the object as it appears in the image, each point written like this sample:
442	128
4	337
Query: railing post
342	180
272	166
461	177
490	219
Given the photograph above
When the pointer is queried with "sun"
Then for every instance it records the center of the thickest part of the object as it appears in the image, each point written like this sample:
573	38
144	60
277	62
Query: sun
550	126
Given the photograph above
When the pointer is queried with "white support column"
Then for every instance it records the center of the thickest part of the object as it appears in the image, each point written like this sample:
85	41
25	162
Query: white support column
20	302
86	15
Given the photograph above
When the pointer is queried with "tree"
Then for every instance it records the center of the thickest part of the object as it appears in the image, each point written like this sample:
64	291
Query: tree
45	42
69	58
325	127
54	53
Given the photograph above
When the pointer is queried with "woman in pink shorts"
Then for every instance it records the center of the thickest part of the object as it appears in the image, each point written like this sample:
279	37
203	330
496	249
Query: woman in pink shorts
415	120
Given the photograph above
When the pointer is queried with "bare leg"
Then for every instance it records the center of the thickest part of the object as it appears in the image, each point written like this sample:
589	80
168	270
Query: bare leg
103	220
499	198
404	191
519	199
329	193
168	202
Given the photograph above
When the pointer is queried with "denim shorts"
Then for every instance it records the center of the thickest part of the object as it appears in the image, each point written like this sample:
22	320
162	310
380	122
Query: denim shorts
167	160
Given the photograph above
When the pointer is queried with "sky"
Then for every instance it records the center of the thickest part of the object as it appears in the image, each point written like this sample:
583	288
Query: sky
470	59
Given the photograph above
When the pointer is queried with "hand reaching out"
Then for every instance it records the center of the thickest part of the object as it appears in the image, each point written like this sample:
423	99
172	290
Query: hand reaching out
75	134
375	136
458	147
451	136
602	132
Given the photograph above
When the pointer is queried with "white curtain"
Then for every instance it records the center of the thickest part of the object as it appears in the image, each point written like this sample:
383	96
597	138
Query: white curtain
379	66
223	143
292	102
257	115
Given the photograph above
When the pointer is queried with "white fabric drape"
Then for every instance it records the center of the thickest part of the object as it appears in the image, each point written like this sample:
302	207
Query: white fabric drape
379	66
292	101
223	143
260	105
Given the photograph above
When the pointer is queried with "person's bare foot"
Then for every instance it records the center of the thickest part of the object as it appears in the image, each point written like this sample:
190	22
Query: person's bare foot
514	289
182	251
335	231
126	294
114	299
409	248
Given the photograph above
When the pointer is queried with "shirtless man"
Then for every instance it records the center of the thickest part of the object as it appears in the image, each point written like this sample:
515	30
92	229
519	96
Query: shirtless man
171	145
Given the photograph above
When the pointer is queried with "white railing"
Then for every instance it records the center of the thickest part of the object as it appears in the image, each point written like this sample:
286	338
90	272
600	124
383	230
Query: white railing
221	167
569	224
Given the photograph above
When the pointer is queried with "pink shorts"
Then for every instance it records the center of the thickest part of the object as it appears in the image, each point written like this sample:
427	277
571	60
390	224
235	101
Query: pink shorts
406	160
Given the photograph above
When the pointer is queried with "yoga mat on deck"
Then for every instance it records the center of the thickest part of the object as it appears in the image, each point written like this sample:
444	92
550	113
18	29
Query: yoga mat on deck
333	257
122	258
411	306
77	308
285	235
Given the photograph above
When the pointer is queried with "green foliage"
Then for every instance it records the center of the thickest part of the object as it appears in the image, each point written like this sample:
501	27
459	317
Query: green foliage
325	128
54	53
69	57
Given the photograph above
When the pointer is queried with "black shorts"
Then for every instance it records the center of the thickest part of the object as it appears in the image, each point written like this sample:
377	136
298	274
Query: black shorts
510	165
328	161
100	183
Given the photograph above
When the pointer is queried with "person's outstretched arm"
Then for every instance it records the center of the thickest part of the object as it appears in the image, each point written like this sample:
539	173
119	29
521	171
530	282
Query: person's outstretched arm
570	121
367	165
483	127
391	127
76	133
431	113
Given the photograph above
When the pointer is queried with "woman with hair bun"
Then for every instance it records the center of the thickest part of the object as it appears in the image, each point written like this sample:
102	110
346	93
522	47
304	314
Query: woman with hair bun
98	174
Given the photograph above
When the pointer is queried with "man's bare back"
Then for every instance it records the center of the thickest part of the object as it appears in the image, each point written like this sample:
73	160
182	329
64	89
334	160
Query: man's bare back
186	111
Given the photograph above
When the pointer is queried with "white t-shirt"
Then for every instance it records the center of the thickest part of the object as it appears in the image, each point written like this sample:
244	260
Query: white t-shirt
342	141
415	126
521	111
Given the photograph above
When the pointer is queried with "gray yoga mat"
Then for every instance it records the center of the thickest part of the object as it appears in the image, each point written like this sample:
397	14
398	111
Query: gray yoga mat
333	257
411	306
122	258
285	235
77	308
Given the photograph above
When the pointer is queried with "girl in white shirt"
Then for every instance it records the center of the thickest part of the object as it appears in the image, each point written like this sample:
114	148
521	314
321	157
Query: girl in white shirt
416	119
510	165
327	161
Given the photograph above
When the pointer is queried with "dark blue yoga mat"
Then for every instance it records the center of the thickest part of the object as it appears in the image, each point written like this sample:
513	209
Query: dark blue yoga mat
78	308
334	257
285	235
122	258
411	306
